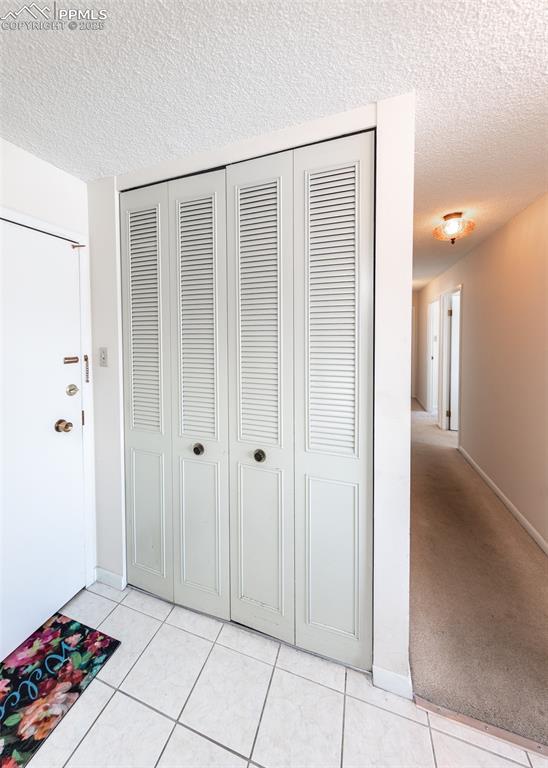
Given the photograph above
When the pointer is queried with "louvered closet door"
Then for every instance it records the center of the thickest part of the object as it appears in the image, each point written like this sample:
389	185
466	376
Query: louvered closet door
333	396
200	392
260	238
145	278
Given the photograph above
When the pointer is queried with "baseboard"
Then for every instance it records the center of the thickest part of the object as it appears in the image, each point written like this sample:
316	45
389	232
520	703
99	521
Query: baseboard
422	405
393	682
533	533
111	579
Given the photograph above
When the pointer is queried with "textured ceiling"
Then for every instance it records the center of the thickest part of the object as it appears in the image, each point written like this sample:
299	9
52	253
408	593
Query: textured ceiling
167	78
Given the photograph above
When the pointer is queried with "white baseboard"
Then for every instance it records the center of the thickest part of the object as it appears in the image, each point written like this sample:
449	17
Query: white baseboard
535	535
422	405
111	579
391	681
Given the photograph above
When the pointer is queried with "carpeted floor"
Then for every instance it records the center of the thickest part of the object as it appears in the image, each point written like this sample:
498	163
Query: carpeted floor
479	594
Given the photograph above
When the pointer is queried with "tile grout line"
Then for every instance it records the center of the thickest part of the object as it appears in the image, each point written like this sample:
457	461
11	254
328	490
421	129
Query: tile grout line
274	666
197	678
67	761
344	716
165	745
212	741
264	704
158	628
384	709
431	740
484	749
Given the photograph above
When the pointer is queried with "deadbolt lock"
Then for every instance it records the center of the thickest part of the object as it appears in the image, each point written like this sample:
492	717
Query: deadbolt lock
63	426
72	390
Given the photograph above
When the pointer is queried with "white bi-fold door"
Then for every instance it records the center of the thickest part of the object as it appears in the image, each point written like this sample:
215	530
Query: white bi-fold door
148	416
199	392
174	298
333	397
260	268
248	309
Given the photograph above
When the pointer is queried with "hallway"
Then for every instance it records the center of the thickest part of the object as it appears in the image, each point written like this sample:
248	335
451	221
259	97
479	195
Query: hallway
479	613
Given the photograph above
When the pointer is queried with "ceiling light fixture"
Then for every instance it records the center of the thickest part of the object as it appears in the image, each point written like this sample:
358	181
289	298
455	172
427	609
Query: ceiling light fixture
454	227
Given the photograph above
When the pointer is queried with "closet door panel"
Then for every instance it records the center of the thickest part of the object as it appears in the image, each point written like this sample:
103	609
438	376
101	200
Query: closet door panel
333	396
260	522
199	392
145	278
260	237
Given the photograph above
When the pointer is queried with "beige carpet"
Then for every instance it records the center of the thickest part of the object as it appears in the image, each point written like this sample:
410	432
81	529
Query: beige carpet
479	594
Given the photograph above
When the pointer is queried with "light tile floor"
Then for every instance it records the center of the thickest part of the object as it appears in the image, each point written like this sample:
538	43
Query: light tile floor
188	691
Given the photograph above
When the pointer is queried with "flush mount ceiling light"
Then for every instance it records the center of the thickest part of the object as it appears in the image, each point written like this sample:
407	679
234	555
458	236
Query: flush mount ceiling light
454	227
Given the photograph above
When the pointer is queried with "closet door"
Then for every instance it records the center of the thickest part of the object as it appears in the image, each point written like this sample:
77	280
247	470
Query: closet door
200	392
260	238
333	396
145	280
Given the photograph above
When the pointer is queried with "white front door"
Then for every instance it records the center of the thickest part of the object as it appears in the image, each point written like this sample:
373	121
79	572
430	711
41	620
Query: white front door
42	545
260	265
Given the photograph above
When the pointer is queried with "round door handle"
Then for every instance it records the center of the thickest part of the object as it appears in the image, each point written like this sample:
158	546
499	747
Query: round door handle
259	455
63	426
198	449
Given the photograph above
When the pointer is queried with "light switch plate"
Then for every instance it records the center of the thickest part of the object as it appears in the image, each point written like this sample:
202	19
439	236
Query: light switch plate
103	357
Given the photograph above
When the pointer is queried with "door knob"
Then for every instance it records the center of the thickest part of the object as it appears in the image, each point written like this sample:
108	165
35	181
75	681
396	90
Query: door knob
198	449
63	426
259	455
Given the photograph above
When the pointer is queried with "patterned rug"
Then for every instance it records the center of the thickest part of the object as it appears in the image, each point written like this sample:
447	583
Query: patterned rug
41	680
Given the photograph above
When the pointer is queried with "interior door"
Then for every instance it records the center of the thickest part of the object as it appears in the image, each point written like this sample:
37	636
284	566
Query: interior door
42	540
260	249
200	392
148	452
433	352
454	379
334	397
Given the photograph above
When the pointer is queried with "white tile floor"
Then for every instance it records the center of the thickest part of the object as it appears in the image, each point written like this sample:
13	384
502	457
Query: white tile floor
187	691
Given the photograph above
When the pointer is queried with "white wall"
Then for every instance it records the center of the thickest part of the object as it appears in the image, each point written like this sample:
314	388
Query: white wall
106	328
393	280
33	187
394	119
504	361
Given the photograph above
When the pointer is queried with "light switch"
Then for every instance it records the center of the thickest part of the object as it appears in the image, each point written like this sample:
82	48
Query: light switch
103	357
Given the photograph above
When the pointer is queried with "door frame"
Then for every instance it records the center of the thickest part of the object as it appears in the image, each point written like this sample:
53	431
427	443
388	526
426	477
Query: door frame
88	443
445	358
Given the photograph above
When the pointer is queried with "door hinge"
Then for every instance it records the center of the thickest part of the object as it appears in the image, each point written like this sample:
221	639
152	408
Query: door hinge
450	312
83	418
447	413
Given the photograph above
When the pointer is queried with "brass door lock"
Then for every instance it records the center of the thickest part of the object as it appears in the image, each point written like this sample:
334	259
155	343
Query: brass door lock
63	426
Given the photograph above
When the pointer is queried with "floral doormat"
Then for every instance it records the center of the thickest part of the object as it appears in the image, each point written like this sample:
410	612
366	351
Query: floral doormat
41	680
